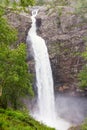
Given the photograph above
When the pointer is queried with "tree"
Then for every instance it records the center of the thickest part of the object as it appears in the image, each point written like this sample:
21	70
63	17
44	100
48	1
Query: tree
15	81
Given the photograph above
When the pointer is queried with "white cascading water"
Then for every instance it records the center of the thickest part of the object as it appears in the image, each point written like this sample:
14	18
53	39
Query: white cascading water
44	81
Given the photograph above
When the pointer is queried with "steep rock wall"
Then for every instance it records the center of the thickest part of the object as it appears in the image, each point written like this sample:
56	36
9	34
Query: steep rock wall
64	34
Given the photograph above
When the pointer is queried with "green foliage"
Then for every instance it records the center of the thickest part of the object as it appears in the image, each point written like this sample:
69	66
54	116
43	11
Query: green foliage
84	54
14	77
7	33
26	3
84	126
81	8
15	120
15	81
21	2
16	5
82	76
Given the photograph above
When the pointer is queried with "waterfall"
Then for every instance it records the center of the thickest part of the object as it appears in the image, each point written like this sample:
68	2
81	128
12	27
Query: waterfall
44	81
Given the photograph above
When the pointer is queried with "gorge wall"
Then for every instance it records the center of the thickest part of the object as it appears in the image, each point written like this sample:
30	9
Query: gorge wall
64	33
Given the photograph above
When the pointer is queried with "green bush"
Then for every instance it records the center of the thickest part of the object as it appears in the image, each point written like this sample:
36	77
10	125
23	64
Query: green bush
82	76
15	120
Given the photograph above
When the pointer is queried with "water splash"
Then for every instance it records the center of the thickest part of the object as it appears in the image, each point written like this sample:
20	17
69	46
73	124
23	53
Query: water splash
44	81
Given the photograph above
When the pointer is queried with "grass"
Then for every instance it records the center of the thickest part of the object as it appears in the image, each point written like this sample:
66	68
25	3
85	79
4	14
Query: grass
16	120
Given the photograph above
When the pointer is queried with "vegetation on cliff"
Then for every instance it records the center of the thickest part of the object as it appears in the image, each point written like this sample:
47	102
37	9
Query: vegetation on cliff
81	11
82	76
81	7
24	3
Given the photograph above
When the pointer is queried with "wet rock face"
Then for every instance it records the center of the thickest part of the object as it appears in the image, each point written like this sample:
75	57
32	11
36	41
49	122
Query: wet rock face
22	22
38	22
64	34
